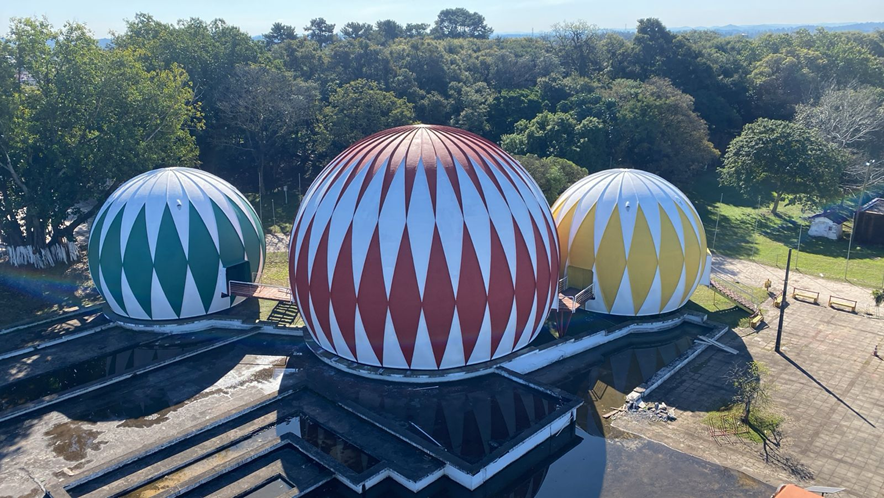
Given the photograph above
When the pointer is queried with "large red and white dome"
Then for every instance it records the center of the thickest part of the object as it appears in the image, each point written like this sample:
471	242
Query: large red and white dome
424	247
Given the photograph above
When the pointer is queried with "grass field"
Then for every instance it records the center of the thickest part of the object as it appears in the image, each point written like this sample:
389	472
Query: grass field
747	231
716	307
762	424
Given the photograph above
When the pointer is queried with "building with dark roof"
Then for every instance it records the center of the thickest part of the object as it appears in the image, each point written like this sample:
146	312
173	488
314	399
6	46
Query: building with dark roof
870	223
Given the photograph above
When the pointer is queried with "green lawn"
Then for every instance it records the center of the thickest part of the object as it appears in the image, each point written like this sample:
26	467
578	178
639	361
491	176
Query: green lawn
746	231
276	272
762	424
716	307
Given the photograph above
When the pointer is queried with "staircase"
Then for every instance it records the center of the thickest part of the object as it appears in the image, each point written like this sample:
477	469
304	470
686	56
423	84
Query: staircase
741	299
284	313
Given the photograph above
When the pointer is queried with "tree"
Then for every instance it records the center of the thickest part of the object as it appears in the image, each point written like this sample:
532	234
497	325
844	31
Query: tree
358	59
510	107
560	135
753	388
356	30
303	58
320	31
878	298
361	108
209	52
469	106
848	117
265	107
552	174
655	128
415	30
784	80
461	23
577	45
389	30
81	121
781	159
851	118
278	33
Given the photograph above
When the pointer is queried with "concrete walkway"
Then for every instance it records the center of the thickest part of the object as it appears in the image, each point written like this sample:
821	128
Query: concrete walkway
754	274
828	389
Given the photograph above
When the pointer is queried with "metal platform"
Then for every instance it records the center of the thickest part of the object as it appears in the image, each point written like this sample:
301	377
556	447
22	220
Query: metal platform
260	291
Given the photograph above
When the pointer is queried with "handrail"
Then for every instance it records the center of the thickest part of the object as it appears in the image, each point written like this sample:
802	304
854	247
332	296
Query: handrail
254	287
726	284
584	295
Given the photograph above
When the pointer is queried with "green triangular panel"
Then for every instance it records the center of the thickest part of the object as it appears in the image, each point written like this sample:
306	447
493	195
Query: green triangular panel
93	250
203	259
232	251
172	270
254	217
254	244
111	261
137	263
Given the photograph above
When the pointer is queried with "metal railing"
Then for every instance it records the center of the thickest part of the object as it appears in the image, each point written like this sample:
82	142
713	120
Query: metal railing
261	291
584	295
731	289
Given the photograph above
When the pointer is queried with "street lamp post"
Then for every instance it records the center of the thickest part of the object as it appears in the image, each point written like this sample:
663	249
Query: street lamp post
856	213
783	304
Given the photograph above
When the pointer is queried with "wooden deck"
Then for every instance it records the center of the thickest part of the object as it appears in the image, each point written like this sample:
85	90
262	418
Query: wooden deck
566	298
260	291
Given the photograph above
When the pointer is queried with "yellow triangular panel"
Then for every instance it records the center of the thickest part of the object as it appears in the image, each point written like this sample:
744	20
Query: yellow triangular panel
564	230
613	253
671	258
700	229
642	261
582	248
691	254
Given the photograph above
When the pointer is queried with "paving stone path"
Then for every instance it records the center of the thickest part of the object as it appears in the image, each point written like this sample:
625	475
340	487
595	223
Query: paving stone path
754	274
829	389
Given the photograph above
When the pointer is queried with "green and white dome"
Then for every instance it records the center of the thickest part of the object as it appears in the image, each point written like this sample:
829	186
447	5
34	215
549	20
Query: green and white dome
166	243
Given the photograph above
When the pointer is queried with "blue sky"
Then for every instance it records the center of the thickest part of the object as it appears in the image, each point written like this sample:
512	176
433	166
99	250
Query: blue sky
505	16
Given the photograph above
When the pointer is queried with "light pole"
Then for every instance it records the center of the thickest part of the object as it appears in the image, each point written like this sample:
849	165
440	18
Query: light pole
717	218
856	213
783	303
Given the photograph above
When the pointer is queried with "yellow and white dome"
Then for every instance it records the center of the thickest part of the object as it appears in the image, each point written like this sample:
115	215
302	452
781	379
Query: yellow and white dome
636	238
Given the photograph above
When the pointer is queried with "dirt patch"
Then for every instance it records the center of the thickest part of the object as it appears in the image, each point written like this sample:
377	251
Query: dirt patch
73	440
263	375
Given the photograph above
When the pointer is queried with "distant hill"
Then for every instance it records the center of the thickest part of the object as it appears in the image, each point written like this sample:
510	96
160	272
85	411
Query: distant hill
751	30
759	29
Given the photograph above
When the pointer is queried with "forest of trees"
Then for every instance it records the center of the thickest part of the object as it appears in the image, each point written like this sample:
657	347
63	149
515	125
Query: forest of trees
76	120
